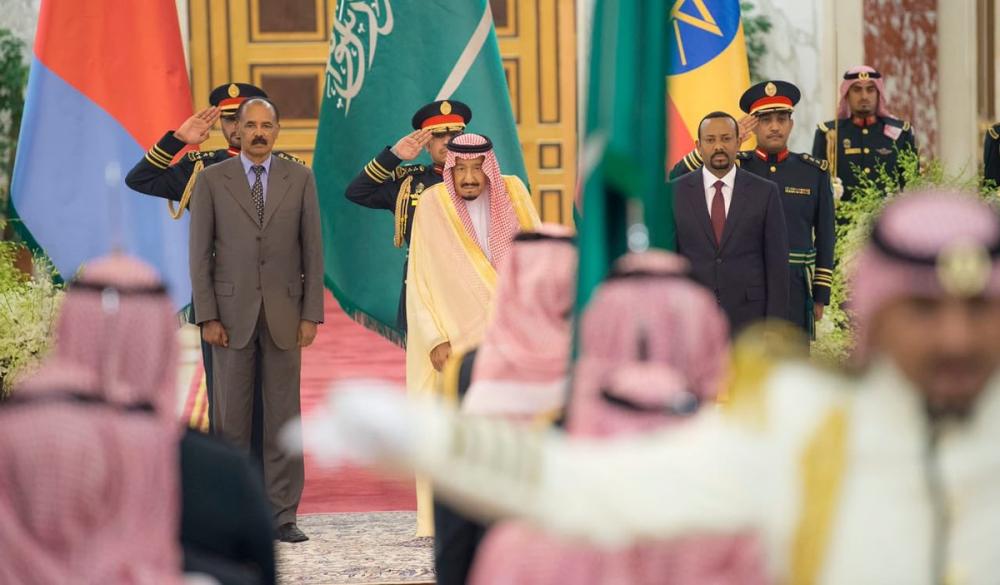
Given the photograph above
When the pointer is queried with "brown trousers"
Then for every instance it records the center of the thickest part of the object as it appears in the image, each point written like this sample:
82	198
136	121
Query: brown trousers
234	373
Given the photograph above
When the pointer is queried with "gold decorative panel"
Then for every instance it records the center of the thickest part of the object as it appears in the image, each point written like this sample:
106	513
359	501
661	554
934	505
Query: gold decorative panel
538	44
278	17
282	46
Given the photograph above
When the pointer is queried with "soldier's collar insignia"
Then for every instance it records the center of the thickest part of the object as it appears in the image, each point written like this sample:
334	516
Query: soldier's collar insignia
233	90
770	89
963	269
445	108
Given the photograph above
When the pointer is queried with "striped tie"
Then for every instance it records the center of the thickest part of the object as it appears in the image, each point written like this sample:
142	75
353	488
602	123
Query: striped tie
257	192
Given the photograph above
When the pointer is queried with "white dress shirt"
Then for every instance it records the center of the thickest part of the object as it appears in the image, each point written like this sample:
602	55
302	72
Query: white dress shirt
479	212
727	187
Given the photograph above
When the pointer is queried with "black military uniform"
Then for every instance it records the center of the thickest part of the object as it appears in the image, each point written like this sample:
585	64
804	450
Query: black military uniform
386	183
991	155
864	143
154	175
806	198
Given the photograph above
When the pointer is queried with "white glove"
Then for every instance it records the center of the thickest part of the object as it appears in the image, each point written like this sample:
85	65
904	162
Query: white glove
363	421
838	188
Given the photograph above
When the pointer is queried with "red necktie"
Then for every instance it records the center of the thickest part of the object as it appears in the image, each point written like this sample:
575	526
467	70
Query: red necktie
718	212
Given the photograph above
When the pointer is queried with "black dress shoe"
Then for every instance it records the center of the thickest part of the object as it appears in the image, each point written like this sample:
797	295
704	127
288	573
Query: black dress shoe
289	532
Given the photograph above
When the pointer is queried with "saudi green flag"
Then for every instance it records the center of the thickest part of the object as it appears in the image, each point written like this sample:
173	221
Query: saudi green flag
625	200
388	58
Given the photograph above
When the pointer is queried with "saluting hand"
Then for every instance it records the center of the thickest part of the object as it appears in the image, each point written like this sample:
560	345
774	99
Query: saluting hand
409	146
197	128
747	124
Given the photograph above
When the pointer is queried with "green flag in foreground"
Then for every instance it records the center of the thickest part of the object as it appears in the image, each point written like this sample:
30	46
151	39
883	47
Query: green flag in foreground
388	58
625	199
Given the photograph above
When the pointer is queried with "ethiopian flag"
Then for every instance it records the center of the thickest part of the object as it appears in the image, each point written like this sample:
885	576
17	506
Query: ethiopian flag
708	67
387	59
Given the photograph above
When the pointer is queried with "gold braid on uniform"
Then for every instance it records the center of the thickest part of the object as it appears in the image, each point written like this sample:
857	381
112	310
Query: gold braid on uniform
290	157
402	212
831	148
188	190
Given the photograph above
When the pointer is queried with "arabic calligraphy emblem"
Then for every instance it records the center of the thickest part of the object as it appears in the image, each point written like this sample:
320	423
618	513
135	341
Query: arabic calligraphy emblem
356	31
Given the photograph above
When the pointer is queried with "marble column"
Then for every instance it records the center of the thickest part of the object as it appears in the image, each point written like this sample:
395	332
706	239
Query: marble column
901	41
959	141
794	49
810	44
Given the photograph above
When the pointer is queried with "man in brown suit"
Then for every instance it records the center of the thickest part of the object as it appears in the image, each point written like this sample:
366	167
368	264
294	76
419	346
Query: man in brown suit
257	274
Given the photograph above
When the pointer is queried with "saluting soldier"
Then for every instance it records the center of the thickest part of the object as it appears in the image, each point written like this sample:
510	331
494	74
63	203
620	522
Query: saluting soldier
155	175
387	183
806	196
991	155
865	135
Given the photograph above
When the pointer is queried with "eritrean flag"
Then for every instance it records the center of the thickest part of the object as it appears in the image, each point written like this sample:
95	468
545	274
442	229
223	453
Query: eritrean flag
107	79
708	67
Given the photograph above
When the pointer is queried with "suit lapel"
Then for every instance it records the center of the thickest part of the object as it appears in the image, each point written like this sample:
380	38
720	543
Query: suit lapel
239	188
737	207
277	188
695	196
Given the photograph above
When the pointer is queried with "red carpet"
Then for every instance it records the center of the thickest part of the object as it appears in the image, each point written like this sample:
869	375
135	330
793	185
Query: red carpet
344	349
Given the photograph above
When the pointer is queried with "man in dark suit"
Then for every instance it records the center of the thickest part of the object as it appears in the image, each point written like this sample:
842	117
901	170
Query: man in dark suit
257	274
731	228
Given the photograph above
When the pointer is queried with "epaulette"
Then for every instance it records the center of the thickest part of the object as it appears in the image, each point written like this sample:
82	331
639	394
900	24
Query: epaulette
290	157
821	164
904	125
692	160
201	155
994	132
744	155
824	127
407	170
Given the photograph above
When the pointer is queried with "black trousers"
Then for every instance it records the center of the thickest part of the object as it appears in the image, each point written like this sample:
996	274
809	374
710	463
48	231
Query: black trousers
456	539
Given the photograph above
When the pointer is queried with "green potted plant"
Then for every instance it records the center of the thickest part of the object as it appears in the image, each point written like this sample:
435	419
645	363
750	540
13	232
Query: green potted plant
835	334
28	308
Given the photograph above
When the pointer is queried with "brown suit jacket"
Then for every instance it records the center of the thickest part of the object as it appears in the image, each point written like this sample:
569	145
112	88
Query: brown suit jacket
237	264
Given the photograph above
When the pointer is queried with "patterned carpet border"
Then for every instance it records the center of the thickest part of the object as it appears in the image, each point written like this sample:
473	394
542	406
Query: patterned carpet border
373	548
